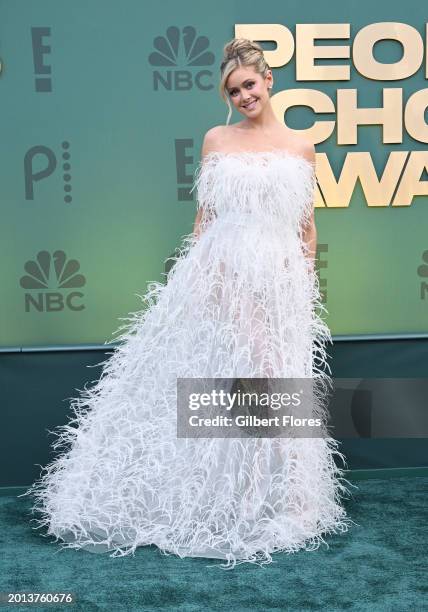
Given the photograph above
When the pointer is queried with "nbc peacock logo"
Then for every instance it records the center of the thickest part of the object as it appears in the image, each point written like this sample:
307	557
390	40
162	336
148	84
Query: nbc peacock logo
183	48
423	274
51	283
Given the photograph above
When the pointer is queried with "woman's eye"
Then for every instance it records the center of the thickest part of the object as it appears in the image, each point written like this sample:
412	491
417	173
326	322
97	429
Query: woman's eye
250	84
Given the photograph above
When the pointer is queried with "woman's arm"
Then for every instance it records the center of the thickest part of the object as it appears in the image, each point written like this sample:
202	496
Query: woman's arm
309	230
196	225
209	144
309	235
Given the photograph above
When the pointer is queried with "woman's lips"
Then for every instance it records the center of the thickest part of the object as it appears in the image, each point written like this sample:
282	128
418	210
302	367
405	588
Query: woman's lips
251	105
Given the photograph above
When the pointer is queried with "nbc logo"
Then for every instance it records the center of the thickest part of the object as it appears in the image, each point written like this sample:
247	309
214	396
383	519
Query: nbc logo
45	276
181	47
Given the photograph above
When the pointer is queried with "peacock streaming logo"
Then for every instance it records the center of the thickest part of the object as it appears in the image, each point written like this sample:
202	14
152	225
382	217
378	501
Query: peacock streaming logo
51	282
423	274
41	162
186	49
321	264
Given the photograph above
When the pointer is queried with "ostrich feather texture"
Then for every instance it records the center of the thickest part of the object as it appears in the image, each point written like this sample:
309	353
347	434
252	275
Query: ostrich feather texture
241	300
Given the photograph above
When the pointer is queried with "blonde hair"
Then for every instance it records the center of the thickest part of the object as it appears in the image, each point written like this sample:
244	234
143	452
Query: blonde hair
236	53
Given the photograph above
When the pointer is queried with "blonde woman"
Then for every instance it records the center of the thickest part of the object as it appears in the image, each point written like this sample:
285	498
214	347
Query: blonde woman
241	301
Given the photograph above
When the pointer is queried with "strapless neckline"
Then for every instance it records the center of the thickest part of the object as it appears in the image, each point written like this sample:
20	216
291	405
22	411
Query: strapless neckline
281	153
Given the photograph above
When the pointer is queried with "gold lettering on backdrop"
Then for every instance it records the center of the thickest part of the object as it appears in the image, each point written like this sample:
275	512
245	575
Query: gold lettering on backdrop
389	116
414	115
317	100
400	180
307	52
370	68
275	32
359	165
410	184
402	173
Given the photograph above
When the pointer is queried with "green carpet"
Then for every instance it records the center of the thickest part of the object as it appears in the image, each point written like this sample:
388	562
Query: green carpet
379	565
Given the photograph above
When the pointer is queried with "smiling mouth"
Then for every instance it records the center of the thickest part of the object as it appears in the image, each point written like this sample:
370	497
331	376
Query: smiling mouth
250	105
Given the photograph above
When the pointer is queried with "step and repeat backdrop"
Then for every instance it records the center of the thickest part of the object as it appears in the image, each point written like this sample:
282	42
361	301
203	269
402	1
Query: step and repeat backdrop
103	110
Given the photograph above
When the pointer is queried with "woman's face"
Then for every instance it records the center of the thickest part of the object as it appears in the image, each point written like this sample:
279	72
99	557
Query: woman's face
248	90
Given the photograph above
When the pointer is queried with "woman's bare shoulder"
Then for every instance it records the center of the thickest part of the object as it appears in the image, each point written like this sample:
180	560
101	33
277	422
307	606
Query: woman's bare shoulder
214	139
301	145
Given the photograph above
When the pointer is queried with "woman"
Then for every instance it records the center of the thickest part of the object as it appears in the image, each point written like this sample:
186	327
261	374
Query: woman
240	301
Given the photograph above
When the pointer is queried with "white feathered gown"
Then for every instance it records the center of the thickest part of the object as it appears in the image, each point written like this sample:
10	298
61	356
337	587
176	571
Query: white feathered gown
239	301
